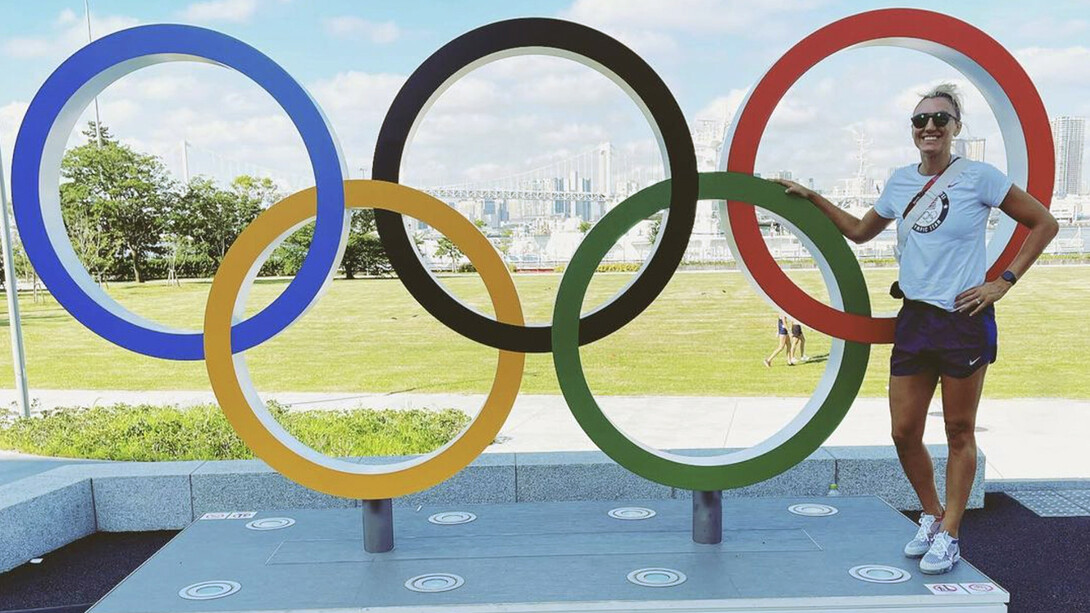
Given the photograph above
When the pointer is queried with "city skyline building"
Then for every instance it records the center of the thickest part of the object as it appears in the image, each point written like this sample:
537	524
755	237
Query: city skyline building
1068	137
969	148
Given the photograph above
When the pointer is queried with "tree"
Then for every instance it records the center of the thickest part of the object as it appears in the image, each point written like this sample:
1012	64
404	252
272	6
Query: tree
115	201
93	247
364	252
584	226
212	218
261	191
653	231
447	249
293	250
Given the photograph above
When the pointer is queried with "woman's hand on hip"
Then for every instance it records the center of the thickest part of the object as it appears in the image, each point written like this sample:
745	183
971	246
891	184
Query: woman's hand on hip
978	298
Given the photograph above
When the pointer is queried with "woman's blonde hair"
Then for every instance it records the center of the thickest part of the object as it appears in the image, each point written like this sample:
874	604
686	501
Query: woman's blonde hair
948	91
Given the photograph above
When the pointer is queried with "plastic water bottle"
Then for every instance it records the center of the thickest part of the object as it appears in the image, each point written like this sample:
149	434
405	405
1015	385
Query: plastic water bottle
833	491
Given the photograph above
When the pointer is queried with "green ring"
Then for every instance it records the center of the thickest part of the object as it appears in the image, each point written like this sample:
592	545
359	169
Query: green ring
776	454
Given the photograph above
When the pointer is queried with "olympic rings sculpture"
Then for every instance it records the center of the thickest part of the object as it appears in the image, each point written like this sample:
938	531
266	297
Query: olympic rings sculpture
227	334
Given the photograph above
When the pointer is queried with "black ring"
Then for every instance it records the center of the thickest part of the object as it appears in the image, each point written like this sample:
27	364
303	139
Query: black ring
632	73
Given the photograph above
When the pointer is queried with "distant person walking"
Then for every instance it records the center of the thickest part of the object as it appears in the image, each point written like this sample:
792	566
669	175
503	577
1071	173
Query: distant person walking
783	340
798	344
946	329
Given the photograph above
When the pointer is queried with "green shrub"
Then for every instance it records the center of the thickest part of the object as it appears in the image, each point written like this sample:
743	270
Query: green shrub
608	267
619	267
152	433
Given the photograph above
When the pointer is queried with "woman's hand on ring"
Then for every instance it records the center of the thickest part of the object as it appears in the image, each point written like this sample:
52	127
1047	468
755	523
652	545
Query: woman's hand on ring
978	298
793	188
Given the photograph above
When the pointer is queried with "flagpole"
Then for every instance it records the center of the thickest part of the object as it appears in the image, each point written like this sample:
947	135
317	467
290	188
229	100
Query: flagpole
98	120
11	284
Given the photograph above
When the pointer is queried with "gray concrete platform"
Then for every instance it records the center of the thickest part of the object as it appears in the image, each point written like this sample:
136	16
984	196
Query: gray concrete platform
556	557
135	496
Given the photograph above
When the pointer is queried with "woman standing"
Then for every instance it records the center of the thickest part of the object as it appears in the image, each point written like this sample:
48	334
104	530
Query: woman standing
783	325
946	331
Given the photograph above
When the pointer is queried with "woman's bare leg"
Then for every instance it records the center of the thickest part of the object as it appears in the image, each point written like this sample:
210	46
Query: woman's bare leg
909	398
783	345
960	399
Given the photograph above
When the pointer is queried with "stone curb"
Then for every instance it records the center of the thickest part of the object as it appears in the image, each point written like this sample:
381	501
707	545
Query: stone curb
43	512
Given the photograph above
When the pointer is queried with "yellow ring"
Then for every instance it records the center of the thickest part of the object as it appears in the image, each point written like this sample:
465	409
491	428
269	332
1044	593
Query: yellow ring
267	438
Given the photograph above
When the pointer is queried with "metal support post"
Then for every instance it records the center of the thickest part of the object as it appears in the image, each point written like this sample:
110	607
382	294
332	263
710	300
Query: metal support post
11	284
708	517
378	525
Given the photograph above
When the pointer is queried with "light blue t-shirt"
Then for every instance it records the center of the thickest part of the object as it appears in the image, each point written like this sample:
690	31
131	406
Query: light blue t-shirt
945	253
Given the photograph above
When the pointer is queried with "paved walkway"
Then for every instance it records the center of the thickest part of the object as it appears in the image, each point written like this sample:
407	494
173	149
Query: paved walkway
1022	438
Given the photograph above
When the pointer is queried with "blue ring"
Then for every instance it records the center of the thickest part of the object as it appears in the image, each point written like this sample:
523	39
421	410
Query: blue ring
144	43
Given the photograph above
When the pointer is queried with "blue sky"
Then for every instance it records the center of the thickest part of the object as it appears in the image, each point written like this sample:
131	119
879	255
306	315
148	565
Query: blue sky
521	113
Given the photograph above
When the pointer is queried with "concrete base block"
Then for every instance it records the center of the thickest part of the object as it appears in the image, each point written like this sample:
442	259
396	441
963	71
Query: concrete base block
876	470
140	496
43	513
490	479
51	509
251	485
580	475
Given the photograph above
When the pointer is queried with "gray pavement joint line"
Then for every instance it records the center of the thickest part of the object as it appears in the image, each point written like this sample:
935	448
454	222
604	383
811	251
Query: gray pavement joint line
192	500
730	424
192	496
94	507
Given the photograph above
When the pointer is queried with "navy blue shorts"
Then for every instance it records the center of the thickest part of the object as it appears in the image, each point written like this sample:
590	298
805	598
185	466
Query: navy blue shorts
954	344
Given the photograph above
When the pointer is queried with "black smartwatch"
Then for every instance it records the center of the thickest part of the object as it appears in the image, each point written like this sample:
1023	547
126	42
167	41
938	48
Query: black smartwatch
1009	277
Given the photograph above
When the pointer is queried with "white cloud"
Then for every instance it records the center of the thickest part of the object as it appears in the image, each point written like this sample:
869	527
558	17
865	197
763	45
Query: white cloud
355	103
649	44
70	35
658	31
11	115
1058	66
723	107
558	89
236	11
67	16
693	16
351	27
1051	28
27	48
359	90
576	133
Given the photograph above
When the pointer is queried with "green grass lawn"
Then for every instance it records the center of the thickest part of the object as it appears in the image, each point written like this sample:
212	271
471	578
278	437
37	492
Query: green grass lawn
706	335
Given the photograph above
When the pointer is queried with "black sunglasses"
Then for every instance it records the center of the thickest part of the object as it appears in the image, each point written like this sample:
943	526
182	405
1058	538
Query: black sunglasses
941	118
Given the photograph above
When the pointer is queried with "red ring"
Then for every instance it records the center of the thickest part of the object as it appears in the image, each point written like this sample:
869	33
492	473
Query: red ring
861	28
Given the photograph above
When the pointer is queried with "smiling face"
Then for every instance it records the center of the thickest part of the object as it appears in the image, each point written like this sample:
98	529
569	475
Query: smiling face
932	140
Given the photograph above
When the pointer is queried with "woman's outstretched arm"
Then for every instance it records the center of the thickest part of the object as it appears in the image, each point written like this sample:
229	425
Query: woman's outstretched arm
854	229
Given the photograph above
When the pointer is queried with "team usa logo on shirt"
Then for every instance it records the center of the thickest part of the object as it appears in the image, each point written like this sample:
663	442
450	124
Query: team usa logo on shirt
934	215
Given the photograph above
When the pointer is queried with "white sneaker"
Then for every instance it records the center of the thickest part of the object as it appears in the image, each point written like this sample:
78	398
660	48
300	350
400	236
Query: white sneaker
942	556
929	527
